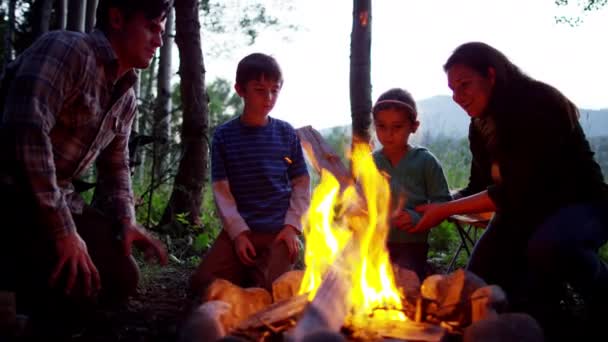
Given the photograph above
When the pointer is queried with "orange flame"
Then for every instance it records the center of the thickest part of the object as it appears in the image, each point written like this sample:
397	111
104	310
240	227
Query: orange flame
357	216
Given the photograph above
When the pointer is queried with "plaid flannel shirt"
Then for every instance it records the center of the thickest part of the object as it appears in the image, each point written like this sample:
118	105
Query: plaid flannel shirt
65	108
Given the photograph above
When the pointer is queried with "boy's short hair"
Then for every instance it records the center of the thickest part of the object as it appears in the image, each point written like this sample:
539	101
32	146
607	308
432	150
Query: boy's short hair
257	65
151	9
397	98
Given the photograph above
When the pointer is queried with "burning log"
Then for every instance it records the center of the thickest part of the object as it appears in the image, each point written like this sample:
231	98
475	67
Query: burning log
328	310
322	156
409	284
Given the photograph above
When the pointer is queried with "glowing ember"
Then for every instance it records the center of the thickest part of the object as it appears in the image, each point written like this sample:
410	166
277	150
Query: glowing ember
357	217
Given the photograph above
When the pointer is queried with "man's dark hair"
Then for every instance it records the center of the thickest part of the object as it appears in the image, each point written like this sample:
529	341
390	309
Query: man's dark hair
150	8
255	66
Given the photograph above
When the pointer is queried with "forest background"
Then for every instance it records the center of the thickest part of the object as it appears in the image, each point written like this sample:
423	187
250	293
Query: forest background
180	106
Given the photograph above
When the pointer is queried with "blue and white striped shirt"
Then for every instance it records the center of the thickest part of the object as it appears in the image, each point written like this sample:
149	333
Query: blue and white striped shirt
259	163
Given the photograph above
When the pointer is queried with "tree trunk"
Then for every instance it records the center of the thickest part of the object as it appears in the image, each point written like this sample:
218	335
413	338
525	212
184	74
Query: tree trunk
360	69
8	34
42	14
76	15
62	14
162	112
145	120
90	16
192	171
137	90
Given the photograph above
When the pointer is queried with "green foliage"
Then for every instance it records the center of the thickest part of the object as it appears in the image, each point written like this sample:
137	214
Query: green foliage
443	243
224	103
244	20
604	253
455	158
584	7
211	224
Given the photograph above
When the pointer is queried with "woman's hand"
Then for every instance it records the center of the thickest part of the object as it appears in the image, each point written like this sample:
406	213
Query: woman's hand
432	215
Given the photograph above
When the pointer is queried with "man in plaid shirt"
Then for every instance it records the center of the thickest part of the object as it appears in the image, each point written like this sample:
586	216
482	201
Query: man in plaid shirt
67	102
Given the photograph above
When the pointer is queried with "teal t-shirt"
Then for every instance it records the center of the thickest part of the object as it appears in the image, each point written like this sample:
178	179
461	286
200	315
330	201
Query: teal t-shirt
418	177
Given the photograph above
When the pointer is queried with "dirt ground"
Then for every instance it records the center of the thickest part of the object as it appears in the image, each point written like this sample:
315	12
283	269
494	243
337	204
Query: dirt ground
152	315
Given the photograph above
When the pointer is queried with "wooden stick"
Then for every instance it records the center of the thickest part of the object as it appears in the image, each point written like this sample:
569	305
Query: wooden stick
323	156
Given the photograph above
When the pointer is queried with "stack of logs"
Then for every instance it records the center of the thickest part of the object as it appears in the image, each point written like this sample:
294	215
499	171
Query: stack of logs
442	305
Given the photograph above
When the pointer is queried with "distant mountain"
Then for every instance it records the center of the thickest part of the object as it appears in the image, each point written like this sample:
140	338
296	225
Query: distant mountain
439	115
594	122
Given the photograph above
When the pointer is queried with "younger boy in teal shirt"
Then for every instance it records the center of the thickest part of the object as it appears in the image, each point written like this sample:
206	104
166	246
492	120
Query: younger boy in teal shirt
415	176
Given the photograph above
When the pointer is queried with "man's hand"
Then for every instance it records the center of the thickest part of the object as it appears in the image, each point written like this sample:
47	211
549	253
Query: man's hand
289	235
244	248
402	220
134	234
73	255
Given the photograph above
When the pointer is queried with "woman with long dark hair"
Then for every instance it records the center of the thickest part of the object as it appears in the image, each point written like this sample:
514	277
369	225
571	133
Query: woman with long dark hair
533	166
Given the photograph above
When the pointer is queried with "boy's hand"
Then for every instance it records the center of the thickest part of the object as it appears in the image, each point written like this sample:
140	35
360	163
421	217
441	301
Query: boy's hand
74	258
289	235
244	248
402	220
433	215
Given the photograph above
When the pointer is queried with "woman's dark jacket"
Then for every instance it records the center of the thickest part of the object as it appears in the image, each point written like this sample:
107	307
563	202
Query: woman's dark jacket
543	157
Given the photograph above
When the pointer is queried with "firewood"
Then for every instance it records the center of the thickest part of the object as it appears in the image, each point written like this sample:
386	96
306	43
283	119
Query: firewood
452	297
206	323
243	302
290	308
431	288
408	283
328	309
287	285
322	156
487	302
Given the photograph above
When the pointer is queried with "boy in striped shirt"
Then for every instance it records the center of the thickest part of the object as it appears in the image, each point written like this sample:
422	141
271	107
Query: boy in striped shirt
260	185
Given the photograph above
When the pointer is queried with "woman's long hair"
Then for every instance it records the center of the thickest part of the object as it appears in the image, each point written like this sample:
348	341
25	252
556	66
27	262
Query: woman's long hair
514	93
480	57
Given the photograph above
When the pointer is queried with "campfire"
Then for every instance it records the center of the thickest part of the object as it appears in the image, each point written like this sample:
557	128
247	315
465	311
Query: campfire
349	284
345	232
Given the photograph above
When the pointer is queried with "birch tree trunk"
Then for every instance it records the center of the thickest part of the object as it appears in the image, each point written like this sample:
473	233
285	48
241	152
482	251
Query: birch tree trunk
146	114
137	90
76	15
190	179
62	14
360	69
162	112
90	15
